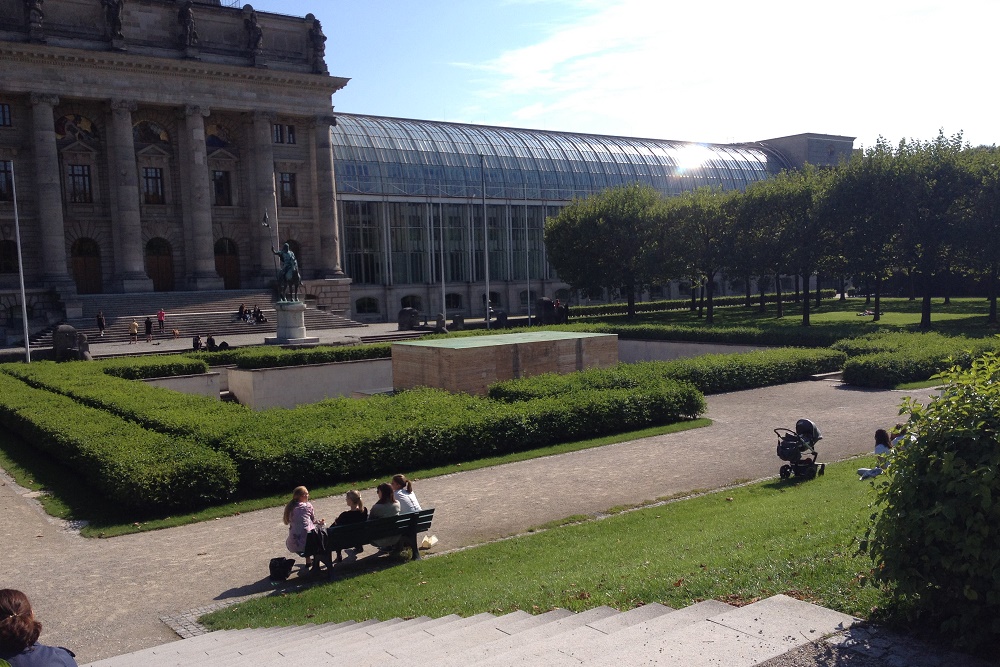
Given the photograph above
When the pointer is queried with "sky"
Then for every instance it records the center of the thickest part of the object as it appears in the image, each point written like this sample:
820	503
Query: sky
715	72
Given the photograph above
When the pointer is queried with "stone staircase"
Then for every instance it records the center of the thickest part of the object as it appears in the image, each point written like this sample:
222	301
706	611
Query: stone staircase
191	313
706	633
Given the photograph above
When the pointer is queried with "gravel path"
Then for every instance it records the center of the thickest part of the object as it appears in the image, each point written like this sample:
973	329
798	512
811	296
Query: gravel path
105	597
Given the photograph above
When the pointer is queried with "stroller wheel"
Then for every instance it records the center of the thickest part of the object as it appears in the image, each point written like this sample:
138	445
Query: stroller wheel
811	472
785	472
822	469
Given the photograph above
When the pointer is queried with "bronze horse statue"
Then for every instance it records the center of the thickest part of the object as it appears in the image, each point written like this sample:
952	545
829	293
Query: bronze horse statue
288	289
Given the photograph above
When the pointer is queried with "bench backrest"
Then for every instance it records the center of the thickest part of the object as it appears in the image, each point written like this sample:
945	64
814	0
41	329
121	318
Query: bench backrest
365	532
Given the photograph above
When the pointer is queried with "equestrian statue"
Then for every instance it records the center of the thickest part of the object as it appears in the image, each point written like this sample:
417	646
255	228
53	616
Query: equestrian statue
289	280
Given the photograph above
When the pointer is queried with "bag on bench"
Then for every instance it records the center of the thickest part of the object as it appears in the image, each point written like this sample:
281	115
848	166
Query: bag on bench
280	568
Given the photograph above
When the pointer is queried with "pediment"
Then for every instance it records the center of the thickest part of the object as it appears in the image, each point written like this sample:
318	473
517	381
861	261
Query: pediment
223	154
154	151
79	148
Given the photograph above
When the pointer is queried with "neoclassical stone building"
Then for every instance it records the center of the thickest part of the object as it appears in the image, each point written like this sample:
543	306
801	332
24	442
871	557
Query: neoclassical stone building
150	140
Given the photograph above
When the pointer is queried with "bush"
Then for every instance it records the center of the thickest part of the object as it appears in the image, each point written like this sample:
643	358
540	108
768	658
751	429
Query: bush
141	368
711	373
885	360
936	539
599	310
127	464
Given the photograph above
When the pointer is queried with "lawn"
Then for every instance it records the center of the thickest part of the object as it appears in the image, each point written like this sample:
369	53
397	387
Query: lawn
735	545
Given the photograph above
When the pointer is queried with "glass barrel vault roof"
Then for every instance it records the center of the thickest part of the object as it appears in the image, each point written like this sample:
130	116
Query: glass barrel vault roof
399	157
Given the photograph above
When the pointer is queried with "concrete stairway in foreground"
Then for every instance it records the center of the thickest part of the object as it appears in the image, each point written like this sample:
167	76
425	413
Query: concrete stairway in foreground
706	633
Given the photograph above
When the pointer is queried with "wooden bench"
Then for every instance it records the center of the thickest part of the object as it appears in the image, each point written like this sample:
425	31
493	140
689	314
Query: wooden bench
405	526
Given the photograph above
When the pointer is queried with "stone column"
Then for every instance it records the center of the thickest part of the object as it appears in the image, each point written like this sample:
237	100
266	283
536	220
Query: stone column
130	272
48	188
326	188
201	254
264	200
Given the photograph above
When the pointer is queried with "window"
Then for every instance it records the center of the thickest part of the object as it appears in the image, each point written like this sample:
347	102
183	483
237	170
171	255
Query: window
277	133
289	197
78	184
222	192
6	180
5	115
411	301
367	305
8	257
152	186
452	301
289	134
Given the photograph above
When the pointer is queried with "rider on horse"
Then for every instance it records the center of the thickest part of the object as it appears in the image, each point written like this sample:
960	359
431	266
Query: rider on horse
288	274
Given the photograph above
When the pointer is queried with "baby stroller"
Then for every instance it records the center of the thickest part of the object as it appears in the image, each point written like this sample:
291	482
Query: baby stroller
798	447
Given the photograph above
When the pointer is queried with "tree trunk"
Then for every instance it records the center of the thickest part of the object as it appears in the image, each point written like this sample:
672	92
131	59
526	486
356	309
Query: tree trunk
630	293
912	285
701	303
805	298
749	300
694	297
819	292
843	288
709	314
868	291
925	303
796	288
991	287
878	297
777	296
762	286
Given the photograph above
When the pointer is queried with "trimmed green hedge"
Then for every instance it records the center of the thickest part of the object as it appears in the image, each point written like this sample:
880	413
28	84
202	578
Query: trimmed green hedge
249	358
141	368
792	336
204	419
711	374
127	464
344	438
599	310
885	360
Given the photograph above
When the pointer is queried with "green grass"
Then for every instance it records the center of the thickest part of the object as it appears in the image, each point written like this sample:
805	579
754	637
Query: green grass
735	545
64	497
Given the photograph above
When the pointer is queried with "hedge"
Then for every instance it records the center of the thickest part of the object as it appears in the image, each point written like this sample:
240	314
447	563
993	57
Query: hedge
349	439
711	373
885	360
204	419
141	368
599	310
250	358
126	463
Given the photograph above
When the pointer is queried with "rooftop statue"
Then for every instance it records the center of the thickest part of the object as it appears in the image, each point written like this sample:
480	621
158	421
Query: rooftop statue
185	17
114	15
318	41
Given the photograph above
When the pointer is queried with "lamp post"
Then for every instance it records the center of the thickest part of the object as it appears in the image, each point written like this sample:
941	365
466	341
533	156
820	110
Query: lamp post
486	239
20	266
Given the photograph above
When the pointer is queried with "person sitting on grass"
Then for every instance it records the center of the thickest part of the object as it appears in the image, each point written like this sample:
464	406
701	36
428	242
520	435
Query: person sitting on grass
19	632
403	491
386	506
301	520
882	448
357	513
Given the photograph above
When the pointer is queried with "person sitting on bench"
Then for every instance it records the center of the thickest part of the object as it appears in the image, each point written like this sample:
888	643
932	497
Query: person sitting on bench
386	506
357	513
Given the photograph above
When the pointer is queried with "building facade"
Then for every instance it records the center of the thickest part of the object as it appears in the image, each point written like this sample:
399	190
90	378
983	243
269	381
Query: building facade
151	139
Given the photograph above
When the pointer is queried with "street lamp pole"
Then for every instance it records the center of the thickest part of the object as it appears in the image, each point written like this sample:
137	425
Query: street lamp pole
20	266
486	239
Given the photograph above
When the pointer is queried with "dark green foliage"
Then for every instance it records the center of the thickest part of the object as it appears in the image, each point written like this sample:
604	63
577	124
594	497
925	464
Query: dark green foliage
711	373
130	465
885	360
603	309
204	419
816	336
249	358
936	539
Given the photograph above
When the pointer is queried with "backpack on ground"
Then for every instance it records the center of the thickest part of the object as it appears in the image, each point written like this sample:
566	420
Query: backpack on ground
280	568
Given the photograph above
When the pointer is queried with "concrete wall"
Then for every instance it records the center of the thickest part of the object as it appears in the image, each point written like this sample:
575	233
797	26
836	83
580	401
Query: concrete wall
203	384
290	386
630	351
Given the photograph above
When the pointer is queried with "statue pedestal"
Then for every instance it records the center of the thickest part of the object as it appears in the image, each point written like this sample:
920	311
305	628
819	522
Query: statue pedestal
291	325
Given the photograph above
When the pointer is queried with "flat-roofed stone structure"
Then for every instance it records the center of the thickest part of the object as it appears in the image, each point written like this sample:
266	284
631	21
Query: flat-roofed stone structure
472	364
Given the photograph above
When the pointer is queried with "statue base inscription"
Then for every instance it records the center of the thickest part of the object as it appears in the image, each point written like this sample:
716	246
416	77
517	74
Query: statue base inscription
291	316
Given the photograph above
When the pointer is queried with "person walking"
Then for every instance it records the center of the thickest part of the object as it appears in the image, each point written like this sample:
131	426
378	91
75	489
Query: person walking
101	323
149	330
160	317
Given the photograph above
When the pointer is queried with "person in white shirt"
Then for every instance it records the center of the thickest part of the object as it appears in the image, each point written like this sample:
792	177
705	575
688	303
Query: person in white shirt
402	489
882	448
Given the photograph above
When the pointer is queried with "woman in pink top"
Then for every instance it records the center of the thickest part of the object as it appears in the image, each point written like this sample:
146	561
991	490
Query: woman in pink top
301	520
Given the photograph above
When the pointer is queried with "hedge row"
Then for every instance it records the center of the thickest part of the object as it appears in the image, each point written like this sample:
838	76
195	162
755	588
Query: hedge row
206	420
141	368
250	358
885	360
127	464
791	336
682	304
345	439
711	374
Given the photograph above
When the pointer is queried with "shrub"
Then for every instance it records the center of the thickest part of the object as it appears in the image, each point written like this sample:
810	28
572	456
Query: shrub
127	464
711	373
885	360
937	536
141	368
679	304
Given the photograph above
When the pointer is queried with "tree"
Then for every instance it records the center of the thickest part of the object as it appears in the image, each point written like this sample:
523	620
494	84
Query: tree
979	228
613	238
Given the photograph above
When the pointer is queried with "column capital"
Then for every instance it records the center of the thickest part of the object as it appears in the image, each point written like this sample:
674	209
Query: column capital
196	110
44	98
124	105
264	116
323	120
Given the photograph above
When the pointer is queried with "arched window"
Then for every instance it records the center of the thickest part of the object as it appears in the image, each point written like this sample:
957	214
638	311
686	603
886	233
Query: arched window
227	263
366	305
160	264
527	297
86	259
8	257
412	301
150	133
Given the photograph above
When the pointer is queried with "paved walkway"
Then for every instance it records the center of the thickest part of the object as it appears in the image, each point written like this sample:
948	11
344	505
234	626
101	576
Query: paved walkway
104	597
